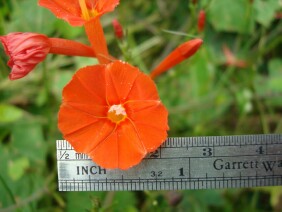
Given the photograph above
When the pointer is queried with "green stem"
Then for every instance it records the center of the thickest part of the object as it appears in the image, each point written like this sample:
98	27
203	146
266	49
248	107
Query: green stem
261	111
125	50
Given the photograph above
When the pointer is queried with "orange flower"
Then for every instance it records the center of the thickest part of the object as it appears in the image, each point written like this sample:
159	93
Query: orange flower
26	50
77	12
181	53
85	13
113	113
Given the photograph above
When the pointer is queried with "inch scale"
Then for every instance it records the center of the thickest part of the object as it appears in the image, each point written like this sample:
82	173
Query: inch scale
209	162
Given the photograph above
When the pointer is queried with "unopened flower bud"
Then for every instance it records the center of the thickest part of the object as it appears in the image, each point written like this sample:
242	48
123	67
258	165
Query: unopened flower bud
201	20
179	54
118	29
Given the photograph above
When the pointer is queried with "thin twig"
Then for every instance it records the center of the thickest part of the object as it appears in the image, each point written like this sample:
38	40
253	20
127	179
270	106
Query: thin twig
35	196
108	199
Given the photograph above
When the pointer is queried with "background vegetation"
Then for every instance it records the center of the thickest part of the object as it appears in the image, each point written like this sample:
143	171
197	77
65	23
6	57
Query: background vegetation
206	95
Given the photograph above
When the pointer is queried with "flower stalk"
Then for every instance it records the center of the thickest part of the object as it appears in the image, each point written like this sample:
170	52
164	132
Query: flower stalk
95	33
70	48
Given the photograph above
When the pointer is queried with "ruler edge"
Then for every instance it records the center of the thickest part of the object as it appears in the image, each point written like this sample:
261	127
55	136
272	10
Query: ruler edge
191	139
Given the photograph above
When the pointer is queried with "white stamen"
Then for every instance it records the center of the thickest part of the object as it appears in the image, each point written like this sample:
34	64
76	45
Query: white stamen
118	109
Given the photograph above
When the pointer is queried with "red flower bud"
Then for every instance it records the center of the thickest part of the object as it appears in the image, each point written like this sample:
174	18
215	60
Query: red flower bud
25	50
232	60
201	20
118	29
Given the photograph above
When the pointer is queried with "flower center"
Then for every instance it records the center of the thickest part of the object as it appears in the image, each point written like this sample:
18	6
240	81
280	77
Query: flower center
86	12
117	113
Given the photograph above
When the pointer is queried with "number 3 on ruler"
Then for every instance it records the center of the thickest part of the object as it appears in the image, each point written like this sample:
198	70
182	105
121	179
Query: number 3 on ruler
207	151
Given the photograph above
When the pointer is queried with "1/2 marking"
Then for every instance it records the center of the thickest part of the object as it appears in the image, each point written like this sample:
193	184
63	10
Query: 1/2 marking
64	155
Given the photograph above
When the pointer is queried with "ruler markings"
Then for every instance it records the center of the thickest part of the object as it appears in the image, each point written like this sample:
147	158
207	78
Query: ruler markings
192	184
184	157
173	179
197	141
179	147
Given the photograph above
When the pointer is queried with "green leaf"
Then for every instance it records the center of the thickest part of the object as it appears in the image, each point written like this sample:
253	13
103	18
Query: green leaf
265	11
9	113
19	177
27	136
231	16
270	87
28	16
201	200
60	82
17	168
275	67
67	31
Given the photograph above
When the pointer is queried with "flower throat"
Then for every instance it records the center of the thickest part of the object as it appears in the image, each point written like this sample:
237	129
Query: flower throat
117	113
85	12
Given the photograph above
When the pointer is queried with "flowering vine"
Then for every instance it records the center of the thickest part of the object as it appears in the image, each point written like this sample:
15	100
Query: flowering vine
110	111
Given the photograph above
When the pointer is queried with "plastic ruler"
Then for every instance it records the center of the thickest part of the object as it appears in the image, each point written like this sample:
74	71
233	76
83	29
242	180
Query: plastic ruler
209	162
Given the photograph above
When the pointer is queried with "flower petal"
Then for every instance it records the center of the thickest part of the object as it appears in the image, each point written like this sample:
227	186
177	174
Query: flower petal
68	10
150	121
143	88
82	130
106	5
106	154
87	88
123	147
120	78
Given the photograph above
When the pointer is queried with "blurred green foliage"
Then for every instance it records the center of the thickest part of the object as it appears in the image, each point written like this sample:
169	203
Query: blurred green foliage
205	95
